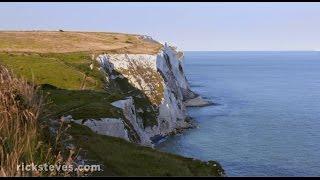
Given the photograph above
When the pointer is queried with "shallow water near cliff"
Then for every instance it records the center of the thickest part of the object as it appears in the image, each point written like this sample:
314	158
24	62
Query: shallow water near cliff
267	121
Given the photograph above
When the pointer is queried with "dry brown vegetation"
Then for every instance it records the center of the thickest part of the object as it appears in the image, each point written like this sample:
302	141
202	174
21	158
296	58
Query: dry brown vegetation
67	41
20	109
22	136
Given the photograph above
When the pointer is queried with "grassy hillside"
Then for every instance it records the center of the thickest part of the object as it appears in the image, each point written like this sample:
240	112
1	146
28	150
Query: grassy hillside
82	104
62	42
68	71
121	158
60	63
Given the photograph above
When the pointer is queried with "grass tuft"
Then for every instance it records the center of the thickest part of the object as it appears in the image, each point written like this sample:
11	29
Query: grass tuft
24	139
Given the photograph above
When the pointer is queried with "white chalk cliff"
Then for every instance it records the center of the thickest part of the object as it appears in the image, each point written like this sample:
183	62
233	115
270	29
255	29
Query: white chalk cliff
160	77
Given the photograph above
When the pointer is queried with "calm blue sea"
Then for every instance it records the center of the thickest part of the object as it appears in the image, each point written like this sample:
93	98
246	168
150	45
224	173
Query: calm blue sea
267	121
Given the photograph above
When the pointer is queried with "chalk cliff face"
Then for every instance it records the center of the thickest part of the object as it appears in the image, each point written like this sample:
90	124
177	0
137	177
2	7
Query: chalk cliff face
160	79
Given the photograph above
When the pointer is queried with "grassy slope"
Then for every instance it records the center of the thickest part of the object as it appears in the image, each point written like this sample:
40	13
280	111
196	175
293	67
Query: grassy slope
44	58
82	104
43	68
127	159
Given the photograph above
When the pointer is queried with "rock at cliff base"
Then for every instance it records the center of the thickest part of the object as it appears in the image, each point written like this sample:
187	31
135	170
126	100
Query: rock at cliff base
197	102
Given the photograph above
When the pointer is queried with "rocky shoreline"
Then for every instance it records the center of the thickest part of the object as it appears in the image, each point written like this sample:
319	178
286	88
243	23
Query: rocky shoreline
198	101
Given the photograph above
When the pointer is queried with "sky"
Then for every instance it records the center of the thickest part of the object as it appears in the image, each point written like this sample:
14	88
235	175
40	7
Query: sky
190	26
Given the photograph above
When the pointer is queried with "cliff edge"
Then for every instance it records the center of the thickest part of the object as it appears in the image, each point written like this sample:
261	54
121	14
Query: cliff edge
161	80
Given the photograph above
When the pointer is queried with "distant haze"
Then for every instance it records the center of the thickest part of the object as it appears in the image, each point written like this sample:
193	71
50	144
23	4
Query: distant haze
190	26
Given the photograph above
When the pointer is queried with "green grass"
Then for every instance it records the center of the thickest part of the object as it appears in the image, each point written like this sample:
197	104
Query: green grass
81	61
65	71
120	158
82	104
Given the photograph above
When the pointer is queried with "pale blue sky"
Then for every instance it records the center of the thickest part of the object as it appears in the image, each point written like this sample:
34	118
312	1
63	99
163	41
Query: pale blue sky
190	26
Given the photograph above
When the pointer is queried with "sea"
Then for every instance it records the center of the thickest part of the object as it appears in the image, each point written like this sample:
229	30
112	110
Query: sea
265	120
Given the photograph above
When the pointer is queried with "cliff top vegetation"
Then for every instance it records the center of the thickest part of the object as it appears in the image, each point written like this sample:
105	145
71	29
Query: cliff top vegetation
71	41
